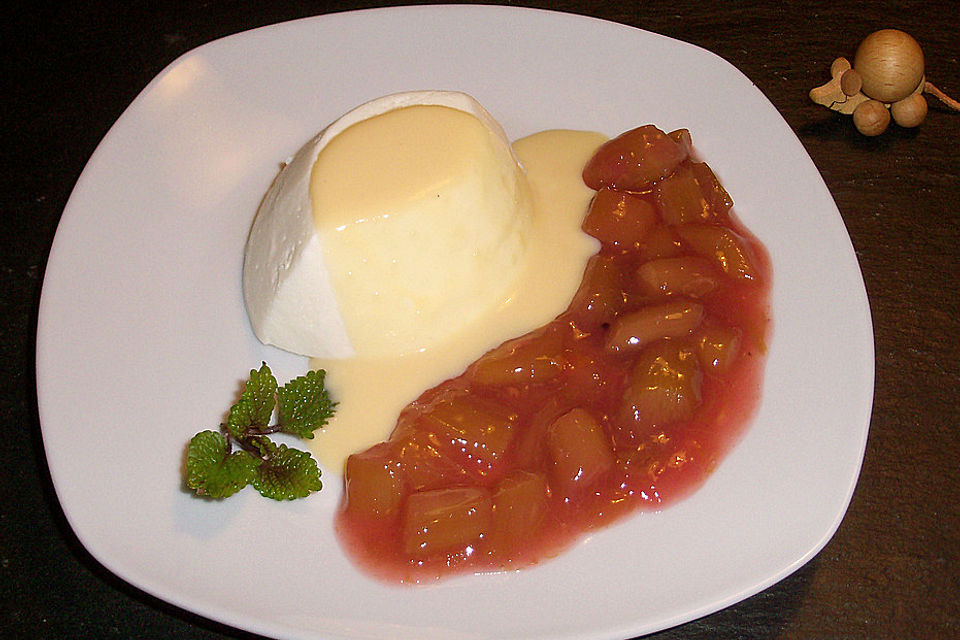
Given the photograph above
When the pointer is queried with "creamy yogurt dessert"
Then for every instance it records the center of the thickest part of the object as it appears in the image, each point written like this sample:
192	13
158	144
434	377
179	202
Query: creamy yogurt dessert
399	223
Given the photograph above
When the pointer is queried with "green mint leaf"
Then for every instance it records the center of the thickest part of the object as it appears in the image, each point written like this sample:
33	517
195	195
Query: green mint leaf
255	407
213	471
287	474
305	405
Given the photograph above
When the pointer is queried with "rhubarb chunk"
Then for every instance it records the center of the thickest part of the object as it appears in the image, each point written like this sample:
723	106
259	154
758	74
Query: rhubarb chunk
632	331
661	242
600	296
665	385
717	347
373	485
692	194
688	276
520	503
722	246
619	219
472	432
535	357
445	520
580	451
633	160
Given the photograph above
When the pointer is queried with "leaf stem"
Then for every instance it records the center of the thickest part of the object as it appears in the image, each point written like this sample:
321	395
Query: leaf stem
265	431
227	436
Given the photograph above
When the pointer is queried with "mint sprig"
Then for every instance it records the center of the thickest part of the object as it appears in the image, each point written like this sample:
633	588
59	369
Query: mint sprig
220	463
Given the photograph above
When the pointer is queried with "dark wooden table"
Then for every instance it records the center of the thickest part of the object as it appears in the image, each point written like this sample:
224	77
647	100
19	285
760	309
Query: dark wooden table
891	571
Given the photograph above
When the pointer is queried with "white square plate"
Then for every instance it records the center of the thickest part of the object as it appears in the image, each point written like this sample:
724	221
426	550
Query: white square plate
143	338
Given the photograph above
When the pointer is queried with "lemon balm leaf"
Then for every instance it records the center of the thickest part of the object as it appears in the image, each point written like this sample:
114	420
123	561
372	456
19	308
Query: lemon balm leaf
287	474
221	463
212	470
256	404
304	405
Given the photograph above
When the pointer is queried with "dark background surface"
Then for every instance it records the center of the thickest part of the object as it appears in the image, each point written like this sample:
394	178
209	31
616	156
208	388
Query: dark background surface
70	68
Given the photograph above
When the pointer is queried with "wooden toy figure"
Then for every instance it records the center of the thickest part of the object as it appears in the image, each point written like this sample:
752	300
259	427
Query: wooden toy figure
886	81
